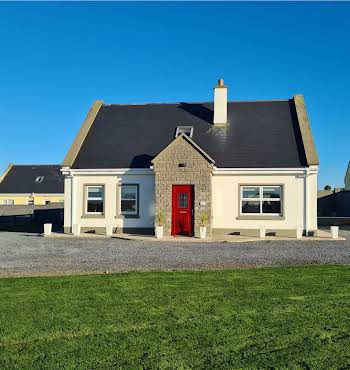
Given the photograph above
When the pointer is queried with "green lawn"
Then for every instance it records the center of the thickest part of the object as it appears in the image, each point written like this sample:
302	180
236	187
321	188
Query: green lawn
297	318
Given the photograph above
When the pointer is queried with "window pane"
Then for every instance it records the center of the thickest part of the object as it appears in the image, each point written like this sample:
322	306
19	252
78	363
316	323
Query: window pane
250	207
128	192
128	206
272	207
95	206
251	192
182	200
95	192
272	192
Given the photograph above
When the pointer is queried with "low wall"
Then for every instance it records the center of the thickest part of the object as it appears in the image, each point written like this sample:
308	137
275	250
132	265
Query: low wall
31	218
27	209
334	205
333	221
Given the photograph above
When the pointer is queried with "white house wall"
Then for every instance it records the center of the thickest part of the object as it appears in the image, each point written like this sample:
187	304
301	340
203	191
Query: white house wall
226	201
67	202
111	186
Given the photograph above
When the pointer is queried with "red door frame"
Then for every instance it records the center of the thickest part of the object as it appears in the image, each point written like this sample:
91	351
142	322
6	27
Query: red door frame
182	222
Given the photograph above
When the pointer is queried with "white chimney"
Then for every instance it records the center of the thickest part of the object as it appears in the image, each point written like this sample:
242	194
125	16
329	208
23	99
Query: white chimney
220	104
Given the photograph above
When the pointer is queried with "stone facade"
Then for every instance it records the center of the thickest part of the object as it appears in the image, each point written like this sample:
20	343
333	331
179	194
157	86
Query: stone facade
196	171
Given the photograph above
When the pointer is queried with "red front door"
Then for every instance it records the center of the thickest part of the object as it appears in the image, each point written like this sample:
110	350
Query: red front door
182	212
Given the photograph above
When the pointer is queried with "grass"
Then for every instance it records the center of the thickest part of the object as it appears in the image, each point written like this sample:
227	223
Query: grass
296	317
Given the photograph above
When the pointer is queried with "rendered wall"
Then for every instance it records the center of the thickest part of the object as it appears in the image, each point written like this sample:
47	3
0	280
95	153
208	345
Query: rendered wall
110	216
38	199
226	202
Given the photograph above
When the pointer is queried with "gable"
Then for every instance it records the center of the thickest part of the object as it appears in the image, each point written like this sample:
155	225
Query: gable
180	148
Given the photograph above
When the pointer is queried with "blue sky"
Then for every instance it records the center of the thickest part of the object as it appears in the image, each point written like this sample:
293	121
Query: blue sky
56	58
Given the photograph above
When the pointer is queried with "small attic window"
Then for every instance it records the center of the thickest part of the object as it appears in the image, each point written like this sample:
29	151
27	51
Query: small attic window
188	130
39	179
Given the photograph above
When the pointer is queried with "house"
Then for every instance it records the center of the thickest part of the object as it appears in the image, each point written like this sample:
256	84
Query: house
243	164
31	184
347	178
335	202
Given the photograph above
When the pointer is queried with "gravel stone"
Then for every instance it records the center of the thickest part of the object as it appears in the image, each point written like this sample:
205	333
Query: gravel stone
23	254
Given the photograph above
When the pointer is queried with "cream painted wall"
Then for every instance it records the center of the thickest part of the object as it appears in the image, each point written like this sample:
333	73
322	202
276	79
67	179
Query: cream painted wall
38	199
312	202
226	201
110	182
67	201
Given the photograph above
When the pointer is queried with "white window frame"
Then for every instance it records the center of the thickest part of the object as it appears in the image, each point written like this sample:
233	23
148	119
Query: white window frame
261	199
132	213
5	202
179	128
87	198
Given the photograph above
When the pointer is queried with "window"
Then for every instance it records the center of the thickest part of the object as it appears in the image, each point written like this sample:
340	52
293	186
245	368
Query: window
8	202
94	199
129	200
46	202
182	200
188	130
39	179
257	200
30	202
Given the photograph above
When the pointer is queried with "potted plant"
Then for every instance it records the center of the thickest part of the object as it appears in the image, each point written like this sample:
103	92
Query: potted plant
203	225
160	221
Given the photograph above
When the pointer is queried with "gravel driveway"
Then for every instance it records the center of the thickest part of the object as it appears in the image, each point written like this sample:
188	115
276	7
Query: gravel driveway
30	254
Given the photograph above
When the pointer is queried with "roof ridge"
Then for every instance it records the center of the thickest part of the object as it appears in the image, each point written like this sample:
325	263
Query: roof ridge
198	102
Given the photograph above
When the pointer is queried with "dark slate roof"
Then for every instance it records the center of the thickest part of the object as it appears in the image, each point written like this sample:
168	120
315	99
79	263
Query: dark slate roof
21	179
260	134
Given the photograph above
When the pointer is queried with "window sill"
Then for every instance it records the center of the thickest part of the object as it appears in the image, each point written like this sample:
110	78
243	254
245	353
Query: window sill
260	217
122	217
93	216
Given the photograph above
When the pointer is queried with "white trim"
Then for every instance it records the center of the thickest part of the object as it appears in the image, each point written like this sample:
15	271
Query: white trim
178	128
216	171
265	171
87	198
260	200
306	206
72	201
107	171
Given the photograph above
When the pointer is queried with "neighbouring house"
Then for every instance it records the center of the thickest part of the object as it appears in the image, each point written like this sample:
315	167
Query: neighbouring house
243	164
347	178
31	185
335	202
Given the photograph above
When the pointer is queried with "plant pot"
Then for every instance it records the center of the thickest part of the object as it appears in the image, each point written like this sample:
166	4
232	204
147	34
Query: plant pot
335	232
47	229
202	232
159	231
76	229
299	232
109	230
